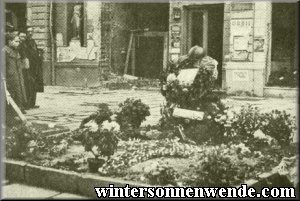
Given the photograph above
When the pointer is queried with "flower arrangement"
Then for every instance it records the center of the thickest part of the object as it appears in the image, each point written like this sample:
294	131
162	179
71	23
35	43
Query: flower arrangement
132	113
101	141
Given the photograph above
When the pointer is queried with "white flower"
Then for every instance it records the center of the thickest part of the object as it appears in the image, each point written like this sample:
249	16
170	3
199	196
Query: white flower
32	143
171	77
92	126
281	78
113	117
230	114
223	117
115	126
111	126
185	89
295	72
208	117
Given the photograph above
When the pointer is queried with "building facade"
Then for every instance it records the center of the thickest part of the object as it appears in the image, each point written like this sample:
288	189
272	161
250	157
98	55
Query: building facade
254	43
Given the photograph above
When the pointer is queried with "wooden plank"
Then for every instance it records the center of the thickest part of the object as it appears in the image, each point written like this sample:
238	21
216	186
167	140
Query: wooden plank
128	53
188	114
165	56
133	57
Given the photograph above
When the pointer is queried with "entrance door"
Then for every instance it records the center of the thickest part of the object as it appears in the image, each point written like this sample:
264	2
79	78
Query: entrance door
149	54
205	25
197	28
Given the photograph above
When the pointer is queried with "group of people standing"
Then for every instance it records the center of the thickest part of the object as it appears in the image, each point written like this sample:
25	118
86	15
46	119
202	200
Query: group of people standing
23	61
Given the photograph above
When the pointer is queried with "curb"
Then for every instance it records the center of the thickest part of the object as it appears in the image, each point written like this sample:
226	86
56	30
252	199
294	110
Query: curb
83	184
60	180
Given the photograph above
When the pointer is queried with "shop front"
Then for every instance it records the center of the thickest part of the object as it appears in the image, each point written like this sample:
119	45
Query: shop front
240	36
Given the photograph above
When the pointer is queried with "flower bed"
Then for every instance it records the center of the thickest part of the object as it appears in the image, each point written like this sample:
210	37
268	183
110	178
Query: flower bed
242	152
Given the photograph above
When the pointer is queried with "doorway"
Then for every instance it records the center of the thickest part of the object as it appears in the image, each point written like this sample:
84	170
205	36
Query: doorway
205	25
143	55
284	45
150	54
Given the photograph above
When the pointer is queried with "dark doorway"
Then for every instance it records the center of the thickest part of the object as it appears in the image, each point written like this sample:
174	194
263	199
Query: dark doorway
283	52
205	29
150	23
149	56
15	15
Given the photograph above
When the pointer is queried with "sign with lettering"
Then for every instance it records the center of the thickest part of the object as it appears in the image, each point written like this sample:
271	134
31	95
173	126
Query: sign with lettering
241	39
175	29
241	6
240	75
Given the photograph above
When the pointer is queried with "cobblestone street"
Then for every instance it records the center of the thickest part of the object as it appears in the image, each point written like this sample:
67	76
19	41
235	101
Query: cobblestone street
67	106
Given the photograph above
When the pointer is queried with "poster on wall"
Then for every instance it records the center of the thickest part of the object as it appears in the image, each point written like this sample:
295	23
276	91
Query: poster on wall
241	39
259	43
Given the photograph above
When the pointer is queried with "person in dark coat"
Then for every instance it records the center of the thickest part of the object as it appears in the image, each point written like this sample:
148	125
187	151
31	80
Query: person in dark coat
14	74
35	71
28	79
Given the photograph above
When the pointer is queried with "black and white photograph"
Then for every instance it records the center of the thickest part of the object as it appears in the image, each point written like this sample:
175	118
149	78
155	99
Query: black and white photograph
149	99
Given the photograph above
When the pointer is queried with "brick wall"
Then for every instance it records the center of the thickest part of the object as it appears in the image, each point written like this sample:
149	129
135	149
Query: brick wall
38	17
105	46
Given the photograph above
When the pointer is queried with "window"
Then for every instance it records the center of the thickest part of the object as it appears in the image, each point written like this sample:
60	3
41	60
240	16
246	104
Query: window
70	23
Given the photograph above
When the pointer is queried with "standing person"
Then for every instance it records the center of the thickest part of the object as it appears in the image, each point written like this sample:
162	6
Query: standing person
14	66
35	67
28	80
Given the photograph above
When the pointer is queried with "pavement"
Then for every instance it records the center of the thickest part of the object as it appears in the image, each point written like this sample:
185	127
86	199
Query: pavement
23	191
67	106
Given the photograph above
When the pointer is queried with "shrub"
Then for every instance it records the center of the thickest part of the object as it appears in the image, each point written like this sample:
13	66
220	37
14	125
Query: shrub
215	170
17	139
23	141
162	174
276	124
132	113
279	125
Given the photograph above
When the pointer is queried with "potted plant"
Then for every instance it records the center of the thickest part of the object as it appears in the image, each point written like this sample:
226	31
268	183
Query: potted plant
101	142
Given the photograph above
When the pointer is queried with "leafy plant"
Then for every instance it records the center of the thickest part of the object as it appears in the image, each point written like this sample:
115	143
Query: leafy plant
132	113
215	170
100	116
17	139
242	125
279	125
100	142
162	174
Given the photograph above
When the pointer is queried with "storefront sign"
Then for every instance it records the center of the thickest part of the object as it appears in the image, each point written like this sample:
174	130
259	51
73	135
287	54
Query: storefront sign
175	50
175	29
241	6
240	75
